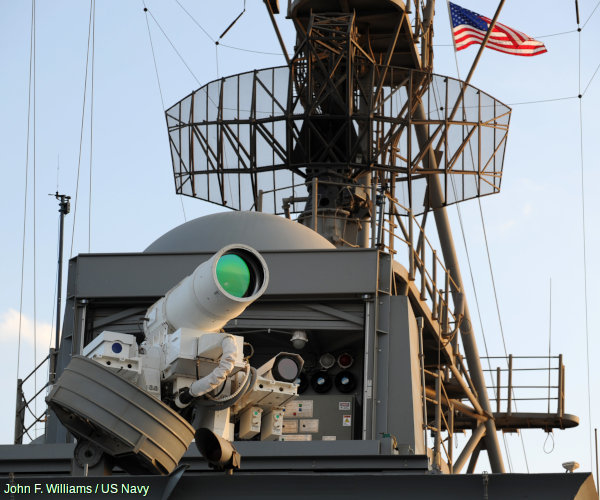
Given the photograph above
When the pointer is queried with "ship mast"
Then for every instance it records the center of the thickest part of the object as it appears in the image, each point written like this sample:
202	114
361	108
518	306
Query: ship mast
357	139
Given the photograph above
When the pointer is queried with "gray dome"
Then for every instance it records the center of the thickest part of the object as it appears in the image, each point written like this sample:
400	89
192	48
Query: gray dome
258	230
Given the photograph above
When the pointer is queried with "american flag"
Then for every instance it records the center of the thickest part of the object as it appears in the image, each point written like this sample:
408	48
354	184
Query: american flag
470	28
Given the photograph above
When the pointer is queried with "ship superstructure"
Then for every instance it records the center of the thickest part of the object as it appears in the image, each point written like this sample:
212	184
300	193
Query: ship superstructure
338	168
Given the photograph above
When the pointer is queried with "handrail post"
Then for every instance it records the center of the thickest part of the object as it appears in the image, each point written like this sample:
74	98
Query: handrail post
446	305
434	286
438	421
19	413
561	386
498	389
315	202
373	214
411	255
450	436
420	325
423	273
509	404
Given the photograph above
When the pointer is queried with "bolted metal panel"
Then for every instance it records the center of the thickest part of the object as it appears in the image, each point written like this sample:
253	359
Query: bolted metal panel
399	392
308	272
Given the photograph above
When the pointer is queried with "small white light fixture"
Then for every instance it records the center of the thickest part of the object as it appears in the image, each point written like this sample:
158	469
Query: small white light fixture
570	466
299	339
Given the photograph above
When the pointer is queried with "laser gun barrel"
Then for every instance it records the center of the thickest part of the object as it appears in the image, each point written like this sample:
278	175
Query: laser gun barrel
216	292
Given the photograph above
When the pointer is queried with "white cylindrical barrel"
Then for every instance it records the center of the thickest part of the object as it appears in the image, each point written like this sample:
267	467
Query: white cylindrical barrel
216	292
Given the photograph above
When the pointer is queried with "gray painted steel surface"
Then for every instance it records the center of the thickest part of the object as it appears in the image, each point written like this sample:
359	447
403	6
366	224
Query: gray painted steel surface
398	391
578	486
293	273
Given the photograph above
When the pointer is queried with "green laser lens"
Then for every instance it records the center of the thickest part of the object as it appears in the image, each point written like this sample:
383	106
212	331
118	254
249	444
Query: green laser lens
233	274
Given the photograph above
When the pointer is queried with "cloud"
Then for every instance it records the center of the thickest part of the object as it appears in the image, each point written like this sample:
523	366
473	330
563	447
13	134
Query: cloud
507	225
9	335
9	329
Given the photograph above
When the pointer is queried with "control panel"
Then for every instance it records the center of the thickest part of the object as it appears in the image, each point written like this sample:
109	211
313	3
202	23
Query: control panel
319	417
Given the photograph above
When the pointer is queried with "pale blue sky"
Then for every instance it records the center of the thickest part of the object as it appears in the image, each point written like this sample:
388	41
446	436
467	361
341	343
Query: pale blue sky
533	226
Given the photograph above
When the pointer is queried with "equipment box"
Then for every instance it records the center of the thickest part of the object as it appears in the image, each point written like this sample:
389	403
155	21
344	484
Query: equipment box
319	417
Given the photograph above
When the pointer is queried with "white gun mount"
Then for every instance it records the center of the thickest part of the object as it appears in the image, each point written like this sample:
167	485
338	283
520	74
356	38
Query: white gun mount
189	363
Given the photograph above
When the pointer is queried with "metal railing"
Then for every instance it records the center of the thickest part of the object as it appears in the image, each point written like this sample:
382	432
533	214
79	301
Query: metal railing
24	405
541	379
425	267
443	421
392	226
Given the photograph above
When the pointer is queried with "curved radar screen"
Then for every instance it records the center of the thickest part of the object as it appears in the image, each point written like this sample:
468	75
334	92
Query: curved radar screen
233	274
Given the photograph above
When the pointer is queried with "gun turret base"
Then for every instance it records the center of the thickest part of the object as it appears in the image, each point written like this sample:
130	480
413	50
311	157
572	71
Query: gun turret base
142	434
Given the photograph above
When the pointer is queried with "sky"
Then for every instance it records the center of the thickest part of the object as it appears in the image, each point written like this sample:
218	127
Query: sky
534	227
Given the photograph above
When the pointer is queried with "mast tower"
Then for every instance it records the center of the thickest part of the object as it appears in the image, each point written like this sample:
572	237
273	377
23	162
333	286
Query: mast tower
359	140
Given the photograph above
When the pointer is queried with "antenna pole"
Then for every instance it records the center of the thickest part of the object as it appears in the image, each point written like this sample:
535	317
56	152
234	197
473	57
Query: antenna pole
436	202
64	207
466	329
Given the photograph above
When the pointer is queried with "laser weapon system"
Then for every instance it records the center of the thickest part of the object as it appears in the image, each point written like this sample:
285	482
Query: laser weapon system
141	400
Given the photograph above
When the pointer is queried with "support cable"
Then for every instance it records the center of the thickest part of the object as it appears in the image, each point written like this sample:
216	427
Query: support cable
560	33
583	227
91	124
34	229
162	100
31	49
487	249
591	79
590	16
195	21
172	44
535	37
508	459
253	51
544	100
87	57
548	446
243	49
489	258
